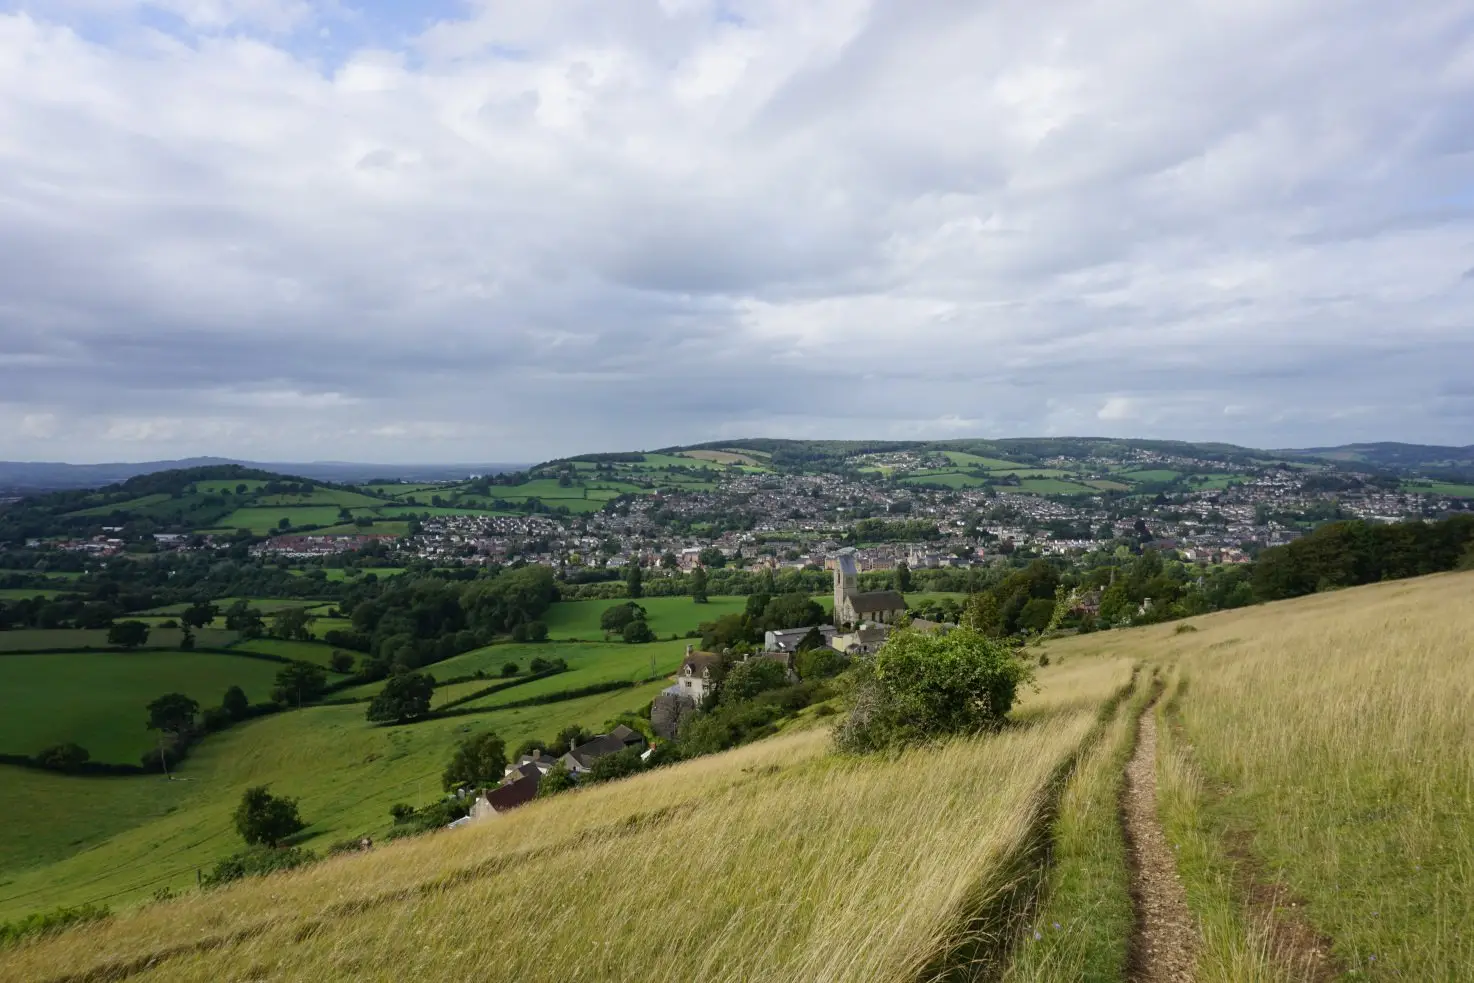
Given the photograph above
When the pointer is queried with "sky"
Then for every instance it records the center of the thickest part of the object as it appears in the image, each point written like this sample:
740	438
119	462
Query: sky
394	232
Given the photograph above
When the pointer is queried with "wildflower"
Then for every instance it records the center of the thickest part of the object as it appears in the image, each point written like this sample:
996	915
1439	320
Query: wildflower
1037	936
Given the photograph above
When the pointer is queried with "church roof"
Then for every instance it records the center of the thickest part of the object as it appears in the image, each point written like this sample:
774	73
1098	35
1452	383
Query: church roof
877	600
844	562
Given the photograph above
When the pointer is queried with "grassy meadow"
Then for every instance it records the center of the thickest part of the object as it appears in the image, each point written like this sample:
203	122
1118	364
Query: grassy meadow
777	861
97	699
666	615
1331	740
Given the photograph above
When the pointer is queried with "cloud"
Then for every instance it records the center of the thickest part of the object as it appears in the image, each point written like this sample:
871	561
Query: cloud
522	230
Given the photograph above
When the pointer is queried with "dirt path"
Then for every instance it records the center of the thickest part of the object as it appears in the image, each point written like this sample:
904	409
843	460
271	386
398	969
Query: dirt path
1165	939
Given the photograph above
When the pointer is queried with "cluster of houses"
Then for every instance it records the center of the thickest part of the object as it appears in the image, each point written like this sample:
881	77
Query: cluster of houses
519	784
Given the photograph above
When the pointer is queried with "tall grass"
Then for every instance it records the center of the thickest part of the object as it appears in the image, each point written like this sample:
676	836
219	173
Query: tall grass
775	861
1331	739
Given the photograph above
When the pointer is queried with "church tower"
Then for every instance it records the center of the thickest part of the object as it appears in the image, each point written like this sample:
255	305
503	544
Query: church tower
846	582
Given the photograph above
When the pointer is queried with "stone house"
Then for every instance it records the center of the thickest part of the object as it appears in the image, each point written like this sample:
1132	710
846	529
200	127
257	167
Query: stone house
855	607
580	760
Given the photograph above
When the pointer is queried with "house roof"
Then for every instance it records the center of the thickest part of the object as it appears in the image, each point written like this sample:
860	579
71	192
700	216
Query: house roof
590	751
513	794
877	600
626	735
696	662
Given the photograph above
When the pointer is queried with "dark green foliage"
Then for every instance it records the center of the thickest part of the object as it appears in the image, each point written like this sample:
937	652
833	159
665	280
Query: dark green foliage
341	661
291	623
63	757
257	862
405	697
128	634
529	746
479	762
1344	554
298	683
569	737
172	713
920	687
699	585
402	812
634	579
638	632
820	662
46	922
1036	614
264	819
510	669
617	617
245	619
235	703
746	680
558	779
620	764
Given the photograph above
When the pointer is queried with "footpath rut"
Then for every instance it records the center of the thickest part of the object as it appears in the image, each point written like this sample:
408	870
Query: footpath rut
1165	940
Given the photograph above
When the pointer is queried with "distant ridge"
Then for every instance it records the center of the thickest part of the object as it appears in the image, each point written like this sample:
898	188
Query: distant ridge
57	476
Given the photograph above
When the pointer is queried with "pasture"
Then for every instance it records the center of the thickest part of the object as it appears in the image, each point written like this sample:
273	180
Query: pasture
97	699
315	652
665	615
60	639
346	772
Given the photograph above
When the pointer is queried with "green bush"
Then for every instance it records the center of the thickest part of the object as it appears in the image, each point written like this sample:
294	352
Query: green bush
921	687
257	862
43	922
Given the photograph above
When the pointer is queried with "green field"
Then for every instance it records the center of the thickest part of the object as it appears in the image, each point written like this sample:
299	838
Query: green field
131	504
26	593
314	652
986	463
261	521
1105	485
49	639
1153	475
97	699
345	772
666	615
379	528
266	605
948	479
1447	488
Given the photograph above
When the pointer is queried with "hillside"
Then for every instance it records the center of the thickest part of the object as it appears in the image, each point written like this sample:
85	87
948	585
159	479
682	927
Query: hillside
1323	744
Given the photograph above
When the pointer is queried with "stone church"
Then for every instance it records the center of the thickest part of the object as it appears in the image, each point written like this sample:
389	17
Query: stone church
853	606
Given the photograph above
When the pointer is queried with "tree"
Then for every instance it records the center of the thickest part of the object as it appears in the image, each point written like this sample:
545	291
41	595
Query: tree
63	757
128	634
200	614
712	557
172	713
558	779
264	819
341	661
568	738
510	669
537	631
795	610
923	686
186	640
405	697
620	764
243	618
669	560
698	585
298	683
903	577
479	761
634	579
618	616
819	662
1036	614
638	632
747	679
291	624
284	523
235	703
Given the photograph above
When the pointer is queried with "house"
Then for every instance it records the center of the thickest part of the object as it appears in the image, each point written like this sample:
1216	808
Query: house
787	639
541	762
865	640
580	760
694	678
853	606
504	798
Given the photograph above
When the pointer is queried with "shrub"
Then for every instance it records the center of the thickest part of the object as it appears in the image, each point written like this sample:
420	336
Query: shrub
63	757
510	669
44	922
405	697
266	819
257	862
747	679
558	779
637	632
920	687
479	761
619	616
402	812
1184	629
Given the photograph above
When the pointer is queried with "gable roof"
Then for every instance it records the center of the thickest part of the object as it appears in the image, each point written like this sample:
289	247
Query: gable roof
513	794
626	735
877	600
697	662
590	751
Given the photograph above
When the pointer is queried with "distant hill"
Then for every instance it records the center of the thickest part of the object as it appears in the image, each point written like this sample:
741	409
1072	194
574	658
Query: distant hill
1394	455
33	476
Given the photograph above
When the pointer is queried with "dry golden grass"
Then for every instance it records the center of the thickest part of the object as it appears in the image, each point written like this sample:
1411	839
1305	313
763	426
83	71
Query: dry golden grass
776	861
1335	735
